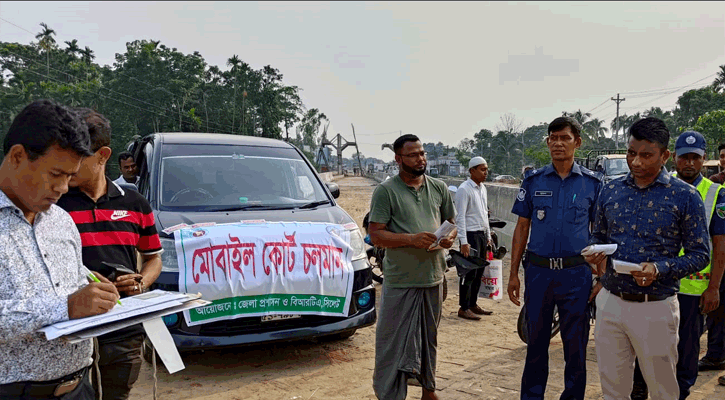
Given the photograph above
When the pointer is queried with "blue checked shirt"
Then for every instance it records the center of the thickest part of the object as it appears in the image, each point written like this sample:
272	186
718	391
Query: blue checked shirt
652	224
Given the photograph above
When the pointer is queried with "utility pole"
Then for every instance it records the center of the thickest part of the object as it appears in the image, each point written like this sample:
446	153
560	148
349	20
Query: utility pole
616	131
359	163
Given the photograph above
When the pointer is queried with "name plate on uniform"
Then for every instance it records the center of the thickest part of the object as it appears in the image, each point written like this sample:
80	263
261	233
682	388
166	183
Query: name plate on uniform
547	193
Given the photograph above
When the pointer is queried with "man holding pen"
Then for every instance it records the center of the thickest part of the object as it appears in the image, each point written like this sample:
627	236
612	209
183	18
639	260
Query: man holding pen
44	280
114	224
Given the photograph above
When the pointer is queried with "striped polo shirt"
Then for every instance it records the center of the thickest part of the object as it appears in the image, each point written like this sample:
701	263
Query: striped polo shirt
112	229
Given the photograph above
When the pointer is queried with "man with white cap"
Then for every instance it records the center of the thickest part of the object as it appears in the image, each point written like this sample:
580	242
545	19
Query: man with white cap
473	231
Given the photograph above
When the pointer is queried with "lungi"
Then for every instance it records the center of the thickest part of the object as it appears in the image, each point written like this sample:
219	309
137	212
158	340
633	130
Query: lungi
406	339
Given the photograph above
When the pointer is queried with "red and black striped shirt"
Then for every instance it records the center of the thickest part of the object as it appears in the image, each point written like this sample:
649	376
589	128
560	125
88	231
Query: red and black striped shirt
112	228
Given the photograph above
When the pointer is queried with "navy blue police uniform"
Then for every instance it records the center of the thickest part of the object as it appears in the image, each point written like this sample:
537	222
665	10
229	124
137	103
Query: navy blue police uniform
555	273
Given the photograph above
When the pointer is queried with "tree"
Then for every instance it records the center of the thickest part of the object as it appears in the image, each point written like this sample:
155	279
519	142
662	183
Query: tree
46	42
694	103
596	131
712	126
581	118
465	150
72	48
87	55
719	83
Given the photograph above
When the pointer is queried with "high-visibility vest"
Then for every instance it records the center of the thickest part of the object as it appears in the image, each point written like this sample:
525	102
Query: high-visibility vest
696	284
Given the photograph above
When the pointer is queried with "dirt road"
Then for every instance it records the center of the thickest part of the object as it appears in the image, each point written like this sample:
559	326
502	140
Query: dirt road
477	359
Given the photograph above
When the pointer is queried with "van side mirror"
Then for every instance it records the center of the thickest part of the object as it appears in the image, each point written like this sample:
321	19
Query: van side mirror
333	188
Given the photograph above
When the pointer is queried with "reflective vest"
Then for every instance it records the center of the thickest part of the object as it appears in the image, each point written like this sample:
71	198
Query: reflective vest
696	284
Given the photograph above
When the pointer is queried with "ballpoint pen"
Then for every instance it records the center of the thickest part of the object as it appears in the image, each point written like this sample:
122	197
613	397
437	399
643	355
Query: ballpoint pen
95	279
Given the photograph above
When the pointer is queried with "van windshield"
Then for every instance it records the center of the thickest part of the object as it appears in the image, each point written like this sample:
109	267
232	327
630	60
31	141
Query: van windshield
232	177
617	166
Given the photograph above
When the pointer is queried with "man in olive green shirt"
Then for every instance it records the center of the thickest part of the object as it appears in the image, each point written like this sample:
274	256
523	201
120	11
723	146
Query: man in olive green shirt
404	213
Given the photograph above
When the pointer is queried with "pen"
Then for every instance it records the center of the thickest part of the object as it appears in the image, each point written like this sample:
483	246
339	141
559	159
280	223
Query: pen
572	200
95	279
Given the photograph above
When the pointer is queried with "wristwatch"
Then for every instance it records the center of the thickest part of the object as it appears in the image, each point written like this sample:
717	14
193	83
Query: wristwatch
142	286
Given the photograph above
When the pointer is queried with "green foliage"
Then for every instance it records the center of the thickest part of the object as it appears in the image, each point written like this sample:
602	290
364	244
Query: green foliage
152	88
712	126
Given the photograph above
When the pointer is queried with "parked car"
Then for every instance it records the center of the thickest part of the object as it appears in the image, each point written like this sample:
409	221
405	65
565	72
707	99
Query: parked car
505	179
196	177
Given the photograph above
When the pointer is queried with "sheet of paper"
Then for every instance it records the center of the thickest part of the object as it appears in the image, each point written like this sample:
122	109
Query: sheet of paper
607	249
442	232
164	344
624	267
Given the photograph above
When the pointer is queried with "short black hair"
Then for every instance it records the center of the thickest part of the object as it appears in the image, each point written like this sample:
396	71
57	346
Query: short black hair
561	123
719	148
45	123
99	128
399	142
124	156
652	130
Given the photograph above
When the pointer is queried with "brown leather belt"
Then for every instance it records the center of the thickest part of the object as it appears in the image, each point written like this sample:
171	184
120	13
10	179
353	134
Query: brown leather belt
47	389
641	298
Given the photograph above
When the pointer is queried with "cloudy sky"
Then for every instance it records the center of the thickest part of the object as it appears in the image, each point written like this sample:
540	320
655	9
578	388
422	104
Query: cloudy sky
439	70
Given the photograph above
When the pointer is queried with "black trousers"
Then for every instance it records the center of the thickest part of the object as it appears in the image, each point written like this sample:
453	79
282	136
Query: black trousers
84	391
470	284
120	364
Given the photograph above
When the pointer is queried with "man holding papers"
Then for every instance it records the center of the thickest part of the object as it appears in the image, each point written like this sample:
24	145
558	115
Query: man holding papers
44	280
651	216
114	224
404	212
556	204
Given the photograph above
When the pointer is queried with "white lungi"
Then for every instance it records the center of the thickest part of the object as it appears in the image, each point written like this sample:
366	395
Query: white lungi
648	330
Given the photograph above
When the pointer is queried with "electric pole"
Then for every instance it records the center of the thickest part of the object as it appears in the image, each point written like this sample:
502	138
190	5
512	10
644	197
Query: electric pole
616	120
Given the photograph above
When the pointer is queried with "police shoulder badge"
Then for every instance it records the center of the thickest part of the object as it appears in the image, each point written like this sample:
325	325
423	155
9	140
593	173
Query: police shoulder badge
521	195
720	210
540	214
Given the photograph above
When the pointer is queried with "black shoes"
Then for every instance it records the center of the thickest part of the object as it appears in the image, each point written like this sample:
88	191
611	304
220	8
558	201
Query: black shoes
639	391
708	364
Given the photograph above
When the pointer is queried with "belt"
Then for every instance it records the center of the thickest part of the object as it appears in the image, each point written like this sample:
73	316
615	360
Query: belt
641	298
554	263
46	389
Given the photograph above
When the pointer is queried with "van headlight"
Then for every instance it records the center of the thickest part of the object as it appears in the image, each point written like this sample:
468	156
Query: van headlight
169	261
357	242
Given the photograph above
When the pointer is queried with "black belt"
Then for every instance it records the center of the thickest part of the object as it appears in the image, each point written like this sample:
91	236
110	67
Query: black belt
49	389
554	263
641	298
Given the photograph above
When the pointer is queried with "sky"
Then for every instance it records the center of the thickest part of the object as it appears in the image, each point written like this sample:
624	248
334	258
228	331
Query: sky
440	70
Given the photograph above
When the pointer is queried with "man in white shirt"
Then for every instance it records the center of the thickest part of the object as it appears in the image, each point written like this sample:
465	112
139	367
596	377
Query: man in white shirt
129	172
473	231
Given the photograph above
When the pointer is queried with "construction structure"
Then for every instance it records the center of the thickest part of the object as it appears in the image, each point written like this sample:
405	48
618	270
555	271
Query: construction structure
339	143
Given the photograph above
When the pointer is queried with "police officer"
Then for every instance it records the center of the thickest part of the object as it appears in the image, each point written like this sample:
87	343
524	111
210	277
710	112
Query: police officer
556	204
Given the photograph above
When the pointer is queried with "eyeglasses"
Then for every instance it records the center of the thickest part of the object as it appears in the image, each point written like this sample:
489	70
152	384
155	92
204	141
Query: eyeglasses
421	154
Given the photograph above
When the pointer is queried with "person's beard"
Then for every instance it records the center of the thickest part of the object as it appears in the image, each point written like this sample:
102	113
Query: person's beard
413	171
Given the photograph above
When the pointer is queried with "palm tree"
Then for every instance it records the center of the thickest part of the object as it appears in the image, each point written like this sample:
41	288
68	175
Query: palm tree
72	48
505	148
87	55
596	130
46	42
618	123
719	83
581	118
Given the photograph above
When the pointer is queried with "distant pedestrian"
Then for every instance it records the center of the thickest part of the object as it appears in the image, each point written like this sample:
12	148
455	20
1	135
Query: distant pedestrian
129	170
405	211
650	216
474	232
556	206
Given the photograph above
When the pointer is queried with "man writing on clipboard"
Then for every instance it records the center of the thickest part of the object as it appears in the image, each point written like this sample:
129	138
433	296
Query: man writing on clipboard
114	224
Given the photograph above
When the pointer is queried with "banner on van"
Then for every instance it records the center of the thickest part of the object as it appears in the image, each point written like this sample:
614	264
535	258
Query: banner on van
265	269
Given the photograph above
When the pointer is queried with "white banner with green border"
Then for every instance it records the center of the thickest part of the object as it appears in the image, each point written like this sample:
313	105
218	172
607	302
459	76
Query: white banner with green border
249	270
